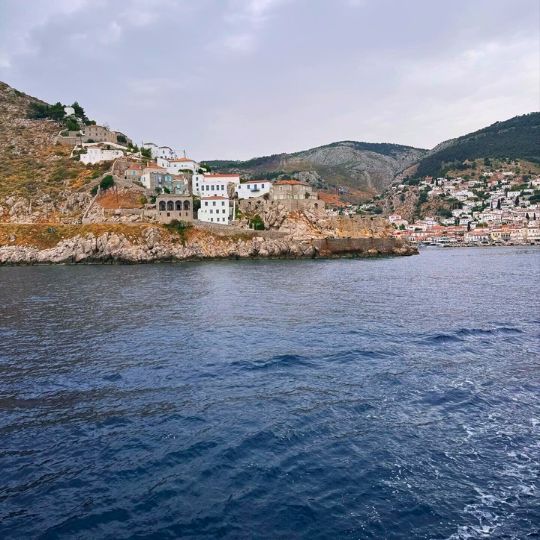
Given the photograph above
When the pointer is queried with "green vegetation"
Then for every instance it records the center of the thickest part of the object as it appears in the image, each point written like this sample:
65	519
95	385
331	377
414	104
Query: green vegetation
42	111
517	138
179	227
106	183
256	223
39	111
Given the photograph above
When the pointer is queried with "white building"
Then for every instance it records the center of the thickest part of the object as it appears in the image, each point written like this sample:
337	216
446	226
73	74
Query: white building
178	165
216	184
96	154
253	188
215	209
160	151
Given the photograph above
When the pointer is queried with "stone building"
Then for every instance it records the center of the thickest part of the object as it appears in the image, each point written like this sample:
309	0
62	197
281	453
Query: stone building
295	195
169	207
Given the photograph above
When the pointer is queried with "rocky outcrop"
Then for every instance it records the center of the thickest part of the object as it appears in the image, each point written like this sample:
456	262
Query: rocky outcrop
154	244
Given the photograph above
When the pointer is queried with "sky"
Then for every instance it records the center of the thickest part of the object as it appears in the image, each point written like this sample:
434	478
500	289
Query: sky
234	79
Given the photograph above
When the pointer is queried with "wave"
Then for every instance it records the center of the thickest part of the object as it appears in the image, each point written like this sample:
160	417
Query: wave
277	361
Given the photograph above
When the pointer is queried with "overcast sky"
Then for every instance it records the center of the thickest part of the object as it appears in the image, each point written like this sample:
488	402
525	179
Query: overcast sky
243	78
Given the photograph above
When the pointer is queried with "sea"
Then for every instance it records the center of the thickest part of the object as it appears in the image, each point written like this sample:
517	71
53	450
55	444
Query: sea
386	398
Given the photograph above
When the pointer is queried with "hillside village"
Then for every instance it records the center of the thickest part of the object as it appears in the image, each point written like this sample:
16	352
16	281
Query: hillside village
174	187
83	191
118	182
490	202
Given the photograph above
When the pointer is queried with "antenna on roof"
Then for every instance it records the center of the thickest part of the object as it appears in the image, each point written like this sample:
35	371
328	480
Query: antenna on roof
184	153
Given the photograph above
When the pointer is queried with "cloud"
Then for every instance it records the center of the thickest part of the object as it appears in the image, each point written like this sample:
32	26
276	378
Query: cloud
246	19
240	78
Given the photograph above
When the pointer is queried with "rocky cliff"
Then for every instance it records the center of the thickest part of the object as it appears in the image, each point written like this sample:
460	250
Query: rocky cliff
36	244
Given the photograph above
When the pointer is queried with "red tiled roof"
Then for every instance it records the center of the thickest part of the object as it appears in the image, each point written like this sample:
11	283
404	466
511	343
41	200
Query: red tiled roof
289	183
213	198
221	176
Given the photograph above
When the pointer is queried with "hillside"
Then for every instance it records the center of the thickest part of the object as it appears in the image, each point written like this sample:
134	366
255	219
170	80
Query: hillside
359	168
30	163
516	138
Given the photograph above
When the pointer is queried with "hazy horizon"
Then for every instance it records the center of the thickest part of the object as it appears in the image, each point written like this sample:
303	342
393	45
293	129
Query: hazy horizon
244	78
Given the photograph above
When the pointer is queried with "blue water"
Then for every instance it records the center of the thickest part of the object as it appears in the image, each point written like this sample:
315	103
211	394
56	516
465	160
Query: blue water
387	398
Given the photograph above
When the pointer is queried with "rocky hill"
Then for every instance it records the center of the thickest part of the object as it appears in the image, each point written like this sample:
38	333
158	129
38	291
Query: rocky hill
359	168
30	163
516	138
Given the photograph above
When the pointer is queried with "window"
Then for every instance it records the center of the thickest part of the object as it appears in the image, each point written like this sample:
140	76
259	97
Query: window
213	187
222	203
211	211
213	203
205	203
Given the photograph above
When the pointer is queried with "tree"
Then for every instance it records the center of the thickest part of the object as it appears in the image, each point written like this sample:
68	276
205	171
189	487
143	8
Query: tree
72	124
79	111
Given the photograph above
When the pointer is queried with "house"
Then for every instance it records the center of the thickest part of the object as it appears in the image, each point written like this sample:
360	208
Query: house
478	236
253	188
175	166
500	235
156	151
133	172
164	182
95	133
97	154
169	207
146	178
215	209
216	184
292	190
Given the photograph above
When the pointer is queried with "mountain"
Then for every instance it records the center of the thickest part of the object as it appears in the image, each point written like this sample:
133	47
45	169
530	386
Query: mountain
363	168
516	138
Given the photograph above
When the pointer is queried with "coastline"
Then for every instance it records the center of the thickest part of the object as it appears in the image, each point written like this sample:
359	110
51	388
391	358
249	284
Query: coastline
57	244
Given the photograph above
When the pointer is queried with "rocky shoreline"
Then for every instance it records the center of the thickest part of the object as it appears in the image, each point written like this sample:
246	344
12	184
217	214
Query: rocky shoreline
152	244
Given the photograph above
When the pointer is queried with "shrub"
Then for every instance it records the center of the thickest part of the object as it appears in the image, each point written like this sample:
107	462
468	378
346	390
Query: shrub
179	227
256	223
72	124
107	182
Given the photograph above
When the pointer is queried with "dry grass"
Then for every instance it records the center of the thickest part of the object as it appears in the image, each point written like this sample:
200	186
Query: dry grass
47	235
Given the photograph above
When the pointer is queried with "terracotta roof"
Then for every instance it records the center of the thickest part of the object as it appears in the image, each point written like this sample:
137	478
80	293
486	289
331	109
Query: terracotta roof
182	159
221	176
256	182
213	198
289	183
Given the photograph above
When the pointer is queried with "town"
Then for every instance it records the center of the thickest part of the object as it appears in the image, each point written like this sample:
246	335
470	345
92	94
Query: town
492	202
497	203
173	187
